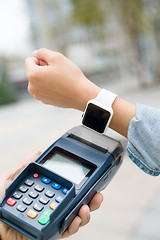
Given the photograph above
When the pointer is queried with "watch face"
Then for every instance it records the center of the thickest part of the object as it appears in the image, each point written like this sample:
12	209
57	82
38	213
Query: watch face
96	118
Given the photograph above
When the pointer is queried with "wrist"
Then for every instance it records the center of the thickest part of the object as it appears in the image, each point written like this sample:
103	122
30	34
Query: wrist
88	92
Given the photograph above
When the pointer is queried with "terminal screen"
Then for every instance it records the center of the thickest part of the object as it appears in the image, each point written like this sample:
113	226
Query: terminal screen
74	170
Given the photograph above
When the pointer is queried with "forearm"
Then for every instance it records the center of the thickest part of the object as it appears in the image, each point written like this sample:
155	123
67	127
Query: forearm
62	83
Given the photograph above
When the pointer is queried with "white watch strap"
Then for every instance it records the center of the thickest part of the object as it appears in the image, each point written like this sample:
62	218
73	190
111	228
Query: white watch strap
106	97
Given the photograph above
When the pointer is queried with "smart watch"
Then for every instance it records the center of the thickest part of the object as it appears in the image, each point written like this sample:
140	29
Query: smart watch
98	112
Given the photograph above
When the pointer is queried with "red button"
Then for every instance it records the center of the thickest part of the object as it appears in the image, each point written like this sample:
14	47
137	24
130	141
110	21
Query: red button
36	175
11	202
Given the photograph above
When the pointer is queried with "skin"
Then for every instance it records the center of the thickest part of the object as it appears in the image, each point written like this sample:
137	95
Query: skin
55	80
82	219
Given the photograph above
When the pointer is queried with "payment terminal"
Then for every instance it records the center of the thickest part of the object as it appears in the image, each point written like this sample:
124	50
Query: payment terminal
46	196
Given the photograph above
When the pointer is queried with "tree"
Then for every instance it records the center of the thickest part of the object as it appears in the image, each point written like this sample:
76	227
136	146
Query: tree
7	93
131	15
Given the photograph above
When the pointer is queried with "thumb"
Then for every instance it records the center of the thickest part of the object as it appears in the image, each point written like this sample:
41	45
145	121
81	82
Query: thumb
44	54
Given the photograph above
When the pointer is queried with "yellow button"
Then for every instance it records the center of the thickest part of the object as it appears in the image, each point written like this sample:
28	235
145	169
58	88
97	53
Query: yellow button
32	214
53	205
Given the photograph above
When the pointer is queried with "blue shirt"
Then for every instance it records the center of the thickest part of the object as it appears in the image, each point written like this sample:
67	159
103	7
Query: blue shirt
143	146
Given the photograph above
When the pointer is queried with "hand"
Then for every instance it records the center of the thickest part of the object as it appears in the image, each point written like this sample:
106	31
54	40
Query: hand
55	80
8	233
84	216
7	177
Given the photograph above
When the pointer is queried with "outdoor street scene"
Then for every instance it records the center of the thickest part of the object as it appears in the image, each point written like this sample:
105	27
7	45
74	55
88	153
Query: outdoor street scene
117	46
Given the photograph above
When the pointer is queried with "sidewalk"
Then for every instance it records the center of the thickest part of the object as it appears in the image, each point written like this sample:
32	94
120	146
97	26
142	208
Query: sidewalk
131	206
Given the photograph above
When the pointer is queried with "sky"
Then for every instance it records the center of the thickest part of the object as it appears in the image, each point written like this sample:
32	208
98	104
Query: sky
14	28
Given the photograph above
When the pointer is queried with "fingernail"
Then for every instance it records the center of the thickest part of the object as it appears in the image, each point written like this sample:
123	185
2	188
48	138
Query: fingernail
35	53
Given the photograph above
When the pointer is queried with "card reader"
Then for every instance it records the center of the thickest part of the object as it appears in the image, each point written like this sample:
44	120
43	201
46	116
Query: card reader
46	196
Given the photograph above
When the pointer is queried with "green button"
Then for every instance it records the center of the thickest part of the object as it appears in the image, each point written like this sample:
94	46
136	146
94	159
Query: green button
45	217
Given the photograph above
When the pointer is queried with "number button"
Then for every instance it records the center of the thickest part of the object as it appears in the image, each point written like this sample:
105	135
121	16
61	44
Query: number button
65	191
17	195
32	214
11	202
43	200
45	217
27	201
38	207
53	205
49	194
46	180
23	189
33	194
21	208
28	182
39	188
56	186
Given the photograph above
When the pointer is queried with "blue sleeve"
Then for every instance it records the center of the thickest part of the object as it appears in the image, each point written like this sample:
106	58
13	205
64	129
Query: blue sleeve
143	146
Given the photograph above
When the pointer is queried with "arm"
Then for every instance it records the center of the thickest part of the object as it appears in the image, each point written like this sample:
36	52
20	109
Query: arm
55	80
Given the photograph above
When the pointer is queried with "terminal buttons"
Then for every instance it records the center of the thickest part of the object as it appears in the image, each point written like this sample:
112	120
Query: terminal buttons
29	182
43	200
38	207
21	208
45	217
59	199
56	186
17	195
11	202
23	189
46	180
32	214
39	188
27	201
65	191
53	205
33	194
35	175
49	194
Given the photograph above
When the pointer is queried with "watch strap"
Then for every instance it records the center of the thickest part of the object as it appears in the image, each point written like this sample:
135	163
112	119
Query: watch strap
106	97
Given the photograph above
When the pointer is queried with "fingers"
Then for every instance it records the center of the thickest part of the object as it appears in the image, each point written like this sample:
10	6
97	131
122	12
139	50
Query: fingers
73	228
42	63
96	202
31	63
84	214
44	54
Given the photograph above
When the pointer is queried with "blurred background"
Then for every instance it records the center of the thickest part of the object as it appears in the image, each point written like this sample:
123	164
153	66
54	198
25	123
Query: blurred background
117	44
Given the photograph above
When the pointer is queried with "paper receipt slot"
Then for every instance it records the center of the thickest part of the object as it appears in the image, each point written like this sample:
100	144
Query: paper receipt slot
46	196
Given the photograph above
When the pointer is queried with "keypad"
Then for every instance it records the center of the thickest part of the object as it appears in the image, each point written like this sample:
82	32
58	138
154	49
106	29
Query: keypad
17	195
38	207
29	182
33	194
39	188
23	189
21	208
44	200
50	194
37	197
28	201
